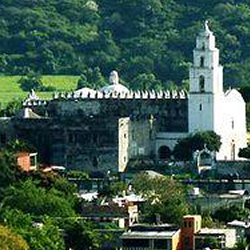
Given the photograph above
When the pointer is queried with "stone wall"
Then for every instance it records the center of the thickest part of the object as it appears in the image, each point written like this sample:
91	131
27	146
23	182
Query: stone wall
83	133
170	112
236	169
136	140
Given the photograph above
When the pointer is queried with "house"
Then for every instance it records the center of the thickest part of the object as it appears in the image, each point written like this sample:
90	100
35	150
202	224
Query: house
194	237
27	161
242	228
190	236
163	236
214	238
122	216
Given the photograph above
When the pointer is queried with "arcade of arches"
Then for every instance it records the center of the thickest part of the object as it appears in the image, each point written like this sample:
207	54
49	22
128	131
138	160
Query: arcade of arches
164	153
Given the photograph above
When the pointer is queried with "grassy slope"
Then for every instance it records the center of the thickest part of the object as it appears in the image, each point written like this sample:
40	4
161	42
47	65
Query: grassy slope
9	88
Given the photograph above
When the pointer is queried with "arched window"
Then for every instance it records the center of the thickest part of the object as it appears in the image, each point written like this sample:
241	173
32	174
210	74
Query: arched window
233	150
95	161
164	152
202	61
202	83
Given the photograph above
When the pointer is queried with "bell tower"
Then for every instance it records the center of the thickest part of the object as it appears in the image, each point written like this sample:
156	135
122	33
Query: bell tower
206	82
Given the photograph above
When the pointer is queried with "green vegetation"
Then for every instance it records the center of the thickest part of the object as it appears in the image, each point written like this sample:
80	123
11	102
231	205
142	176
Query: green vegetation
149	42
11	241
34	206
244	152
230	213
164	197
150	39
185	148
10	89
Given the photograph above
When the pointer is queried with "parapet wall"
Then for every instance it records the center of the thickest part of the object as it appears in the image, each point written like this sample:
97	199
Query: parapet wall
146	95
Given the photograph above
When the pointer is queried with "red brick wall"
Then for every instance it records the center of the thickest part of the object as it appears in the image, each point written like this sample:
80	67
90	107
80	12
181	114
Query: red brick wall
23	160
191	224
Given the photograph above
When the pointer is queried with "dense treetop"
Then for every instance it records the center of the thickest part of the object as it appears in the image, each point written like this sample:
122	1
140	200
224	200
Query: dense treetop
150	37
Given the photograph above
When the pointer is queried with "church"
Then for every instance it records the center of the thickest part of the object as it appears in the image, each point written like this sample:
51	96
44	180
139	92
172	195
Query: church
101	130
209	107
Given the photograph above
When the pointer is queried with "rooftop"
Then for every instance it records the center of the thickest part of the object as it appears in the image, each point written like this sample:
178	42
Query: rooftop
214	231
151	235
237	223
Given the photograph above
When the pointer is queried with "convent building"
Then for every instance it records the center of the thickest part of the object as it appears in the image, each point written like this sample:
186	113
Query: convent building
106	128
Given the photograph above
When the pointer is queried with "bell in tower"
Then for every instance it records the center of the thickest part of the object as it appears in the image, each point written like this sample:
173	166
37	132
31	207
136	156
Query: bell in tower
206	81
206	73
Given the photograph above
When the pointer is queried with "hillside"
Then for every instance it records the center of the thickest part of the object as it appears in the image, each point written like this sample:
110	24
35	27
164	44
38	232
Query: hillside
10	89
149	42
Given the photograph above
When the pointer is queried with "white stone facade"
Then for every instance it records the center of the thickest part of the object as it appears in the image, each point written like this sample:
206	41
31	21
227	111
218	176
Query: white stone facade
209	107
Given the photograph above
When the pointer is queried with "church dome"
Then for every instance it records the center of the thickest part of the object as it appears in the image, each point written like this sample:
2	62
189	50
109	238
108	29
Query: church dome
84	92
115	87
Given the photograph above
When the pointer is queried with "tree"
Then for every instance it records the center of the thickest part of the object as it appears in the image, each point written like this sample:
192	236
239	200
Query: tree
91	78
11	241
66	190
33	81
245	92
44	235
80	235
30	81
12	108
9	171
83	83
19	145
241	245
145	82
78	175
37	201
111	189
244	152
227	214
96	78
184	149
164	196
48	237
206	138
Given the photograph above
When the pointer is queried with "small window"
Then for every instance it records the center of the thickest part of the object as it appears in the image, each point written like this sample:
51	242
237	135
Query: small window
71	138
177	112
95	161
202	83
124	158
203	46
202	61
94	138
33	161
3	138
125	136
190	224
200	107
232	124
185	224
69	159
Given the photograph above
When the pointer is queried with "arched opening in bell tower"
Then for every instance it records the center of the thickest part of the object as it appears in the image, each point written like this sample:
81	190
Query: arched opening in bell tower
233	150
202	83
202	61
